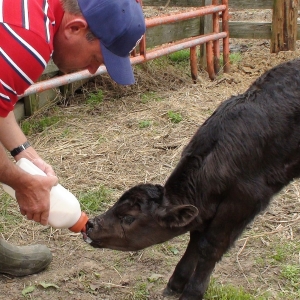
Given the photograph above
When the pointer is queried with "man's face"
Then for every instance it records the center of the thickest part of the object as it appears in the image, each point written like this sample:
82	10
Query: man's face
76	53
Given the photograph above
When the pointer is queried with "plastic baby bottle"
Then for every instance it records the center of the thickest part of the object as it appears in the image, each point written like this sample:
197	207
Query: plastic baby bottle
65	211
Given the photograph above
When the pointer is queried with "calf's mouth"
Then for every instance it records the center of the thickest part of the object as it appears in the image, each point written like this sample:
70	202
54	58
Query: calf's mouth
88	229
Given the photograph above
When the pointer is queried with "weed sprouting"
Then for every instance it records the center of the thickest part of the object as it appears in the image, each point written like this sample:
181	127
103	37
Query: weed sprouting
92	201
32	126
229	292
95	98
174	117
148	96
144	124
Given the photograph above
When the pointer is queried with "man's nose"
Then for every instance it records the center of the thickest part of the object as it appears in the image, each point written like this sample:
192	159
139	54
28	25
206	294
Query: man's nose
93	68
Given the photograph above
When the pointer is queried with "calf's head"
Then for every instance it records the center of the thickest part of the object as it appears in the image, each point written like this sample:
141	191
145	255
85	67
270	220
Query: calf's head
140	218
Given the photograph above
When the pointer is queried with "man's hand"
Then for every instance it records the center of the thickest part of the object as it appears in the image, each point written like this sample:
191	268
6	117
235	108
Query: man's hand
33	196
46	168
32	192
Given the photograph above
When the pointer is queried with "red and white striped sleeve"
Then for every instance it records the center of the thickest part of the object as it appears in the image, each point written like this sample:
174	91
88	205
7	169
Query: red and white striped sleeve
25	48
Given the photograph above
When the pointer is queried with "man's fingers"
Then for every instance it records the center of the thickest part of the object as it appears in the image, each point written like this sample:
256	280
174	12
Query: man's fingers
36	217
22	211
40	218
54	180
44	218
46	168
29	216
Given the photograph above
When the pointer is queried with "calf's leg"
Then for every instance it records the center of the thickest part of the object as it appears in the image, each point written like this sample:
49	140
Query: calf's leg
198	282
230	220
186	266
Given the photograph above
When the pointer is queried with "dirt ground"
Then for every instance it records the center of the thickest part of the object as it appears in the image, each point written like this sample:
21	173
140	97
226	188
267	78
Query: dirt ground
105	146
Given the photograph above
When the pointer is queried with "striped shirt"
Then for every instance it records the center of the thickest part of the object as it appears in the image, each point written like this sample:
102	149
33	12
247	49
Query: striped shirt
27	28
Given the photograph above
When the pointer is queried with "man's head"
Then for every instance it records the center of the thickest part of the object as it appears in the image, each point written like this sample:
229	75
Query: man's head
111	29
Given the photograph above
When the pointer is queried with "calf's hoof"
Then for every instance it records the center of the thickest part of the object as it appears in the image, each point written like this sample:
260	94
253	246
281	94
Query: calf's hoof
169	292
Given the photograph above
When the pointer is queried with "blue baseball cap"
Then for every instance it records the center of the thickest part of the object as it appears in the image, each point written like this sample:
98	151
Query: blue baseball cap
119	25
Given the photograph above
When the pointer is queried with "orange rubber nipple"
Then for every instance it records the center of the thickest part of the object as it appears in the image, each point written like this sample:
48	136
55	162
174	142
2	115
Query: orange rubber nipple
79	226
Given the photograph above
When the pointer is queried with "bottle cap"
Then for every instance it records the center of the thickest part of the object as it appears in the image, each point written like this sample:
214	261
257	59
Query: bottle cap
79	226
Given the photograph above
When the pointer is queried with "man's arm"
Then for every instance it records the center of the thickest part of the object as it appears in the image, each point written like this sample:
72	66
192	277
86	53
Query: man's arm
11	137
32	192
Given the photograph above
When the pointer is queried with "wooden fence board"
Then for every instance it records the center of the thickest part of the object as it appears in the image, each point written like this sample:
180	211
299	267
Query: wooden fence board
177	3
34	102
167	33
237	29
19	110
51	67
252	4
236	4
249	30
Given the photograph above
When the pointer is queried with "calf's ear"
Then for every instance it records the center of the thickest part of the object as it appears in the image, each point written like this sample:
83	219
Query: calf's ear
176	216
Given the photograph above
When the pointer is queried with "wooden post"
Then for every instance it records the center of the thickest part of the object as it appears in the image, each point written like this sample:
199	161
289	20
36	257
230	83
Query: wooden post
31	104
216	43
225	25
284	25
206	26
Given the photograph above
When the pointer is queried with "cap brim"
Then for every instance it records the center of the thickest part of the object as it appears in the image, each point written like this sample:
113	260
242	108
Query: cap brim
119	68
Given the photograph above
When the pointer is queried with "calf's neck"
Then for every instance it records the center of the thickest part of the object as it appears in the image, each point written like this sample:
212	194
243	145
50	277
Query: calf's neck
240	157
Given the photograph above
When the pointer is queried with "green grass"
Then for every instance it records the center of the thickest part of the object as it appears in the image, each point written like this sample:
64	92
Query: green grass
140	292
149	96
280	259
228	292
283	252
183	56
174	116
32	126
92	201
280	253
95	98
179	60
65	133
180	56
144	124
291	273
234	58
101	139
283	258
10	215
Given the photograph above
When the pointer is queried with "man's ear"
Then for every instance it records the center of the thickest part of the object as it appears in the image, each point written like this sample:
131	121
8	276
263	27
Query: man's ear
75	27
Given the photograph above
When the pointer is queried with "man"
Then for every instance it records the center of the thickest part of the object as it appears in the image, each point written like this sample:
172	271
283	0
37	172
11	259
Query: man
78	34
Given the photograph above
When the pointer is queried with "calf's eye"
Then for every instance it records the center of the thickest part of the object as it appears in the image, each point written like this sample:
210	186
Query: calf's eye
128	219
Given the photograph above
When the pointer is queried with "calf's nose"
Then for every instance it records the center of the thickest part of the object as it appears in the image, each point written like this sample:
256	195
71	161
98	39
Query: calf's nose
89	224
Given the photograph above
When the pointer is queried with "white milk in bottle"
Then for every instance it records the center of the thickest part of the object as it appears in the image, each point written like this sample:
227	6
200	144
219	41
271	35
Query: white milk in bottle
65	211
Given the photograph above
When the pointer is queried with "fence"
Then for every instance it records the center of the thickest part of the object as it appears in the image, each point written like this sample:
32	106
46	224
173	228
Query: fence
283	30
165	34
193	29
